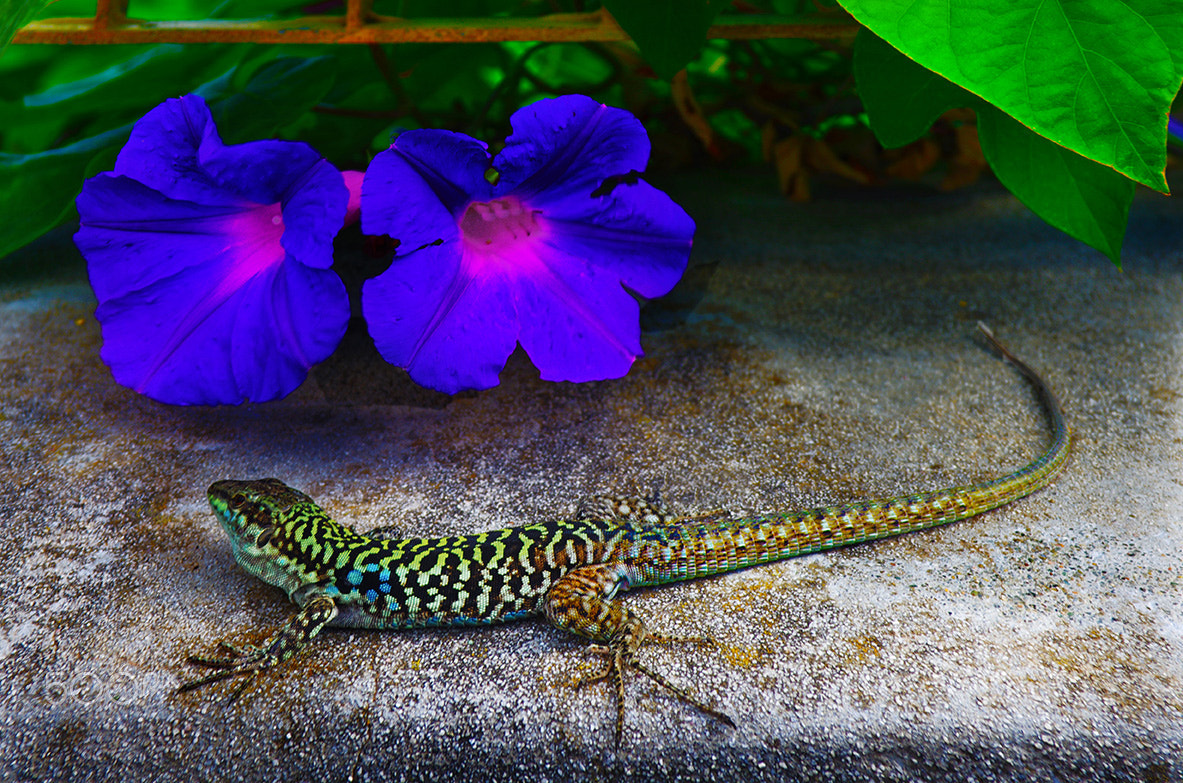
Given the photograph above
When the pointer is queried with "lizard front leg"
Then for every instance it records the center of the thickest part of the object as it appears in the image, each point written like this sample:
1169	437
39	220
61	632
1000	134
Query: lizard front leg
584	602
301	629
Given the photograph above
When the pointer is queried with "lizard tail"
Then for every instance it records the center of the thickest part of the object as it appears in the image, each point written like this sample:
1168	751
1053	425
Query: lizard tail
702	547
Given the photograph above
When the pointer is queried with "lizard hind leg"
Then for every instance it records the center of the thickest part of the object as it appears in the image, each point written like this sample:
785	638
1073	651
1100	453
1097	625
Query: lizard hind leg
650	510
644	510
584	602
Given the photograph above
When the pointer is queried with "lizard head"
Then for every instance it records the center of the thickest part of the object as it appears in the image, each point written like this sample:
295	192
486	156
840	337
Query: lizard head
260	517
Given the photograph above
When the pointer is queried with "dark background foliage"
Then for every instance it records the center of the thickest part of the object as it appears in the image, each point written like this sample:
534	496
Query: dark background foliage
794	104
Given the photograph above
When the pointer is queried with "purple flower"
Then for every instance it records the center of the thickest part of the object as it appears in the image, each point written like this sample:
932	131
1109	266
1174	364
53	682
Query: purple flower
211	262
1174	130
546	257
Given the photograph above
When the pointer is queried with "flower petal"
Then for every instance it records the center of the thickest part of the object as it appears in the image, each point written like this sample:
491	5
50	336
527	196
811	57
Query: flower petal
166	148
200	304
566	146
450	328
285	323
415	190
175	149
244	347
577	322
311	190
547	256
314	208
636	232
133	237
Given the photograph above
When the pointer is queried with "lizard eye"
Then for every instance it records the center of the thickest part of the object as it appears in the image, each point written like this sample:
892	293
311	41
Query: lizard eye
237	501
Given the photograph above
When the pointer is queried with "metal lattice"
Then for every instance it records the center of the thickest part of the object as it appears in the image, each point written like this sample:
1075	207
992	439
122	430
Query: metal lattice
360	25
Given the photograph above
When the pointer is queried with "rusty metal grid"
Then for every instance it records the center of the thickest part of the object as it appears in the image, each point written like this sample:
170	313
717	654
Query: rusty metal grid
360	25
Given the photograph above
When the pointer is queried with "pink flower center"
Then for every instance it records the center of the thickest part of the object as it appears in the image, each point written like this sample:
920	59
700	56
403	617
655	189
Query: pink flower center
499	225
253	245
257	232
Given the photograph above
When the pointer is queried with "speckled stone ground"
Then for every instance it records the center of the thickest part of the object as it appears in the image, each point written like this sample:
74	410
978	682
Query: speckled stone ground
831	356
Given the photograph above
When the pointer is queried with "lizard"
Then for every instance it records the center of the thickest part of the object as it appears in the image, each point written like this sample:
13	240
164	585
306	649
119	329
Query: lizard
571	570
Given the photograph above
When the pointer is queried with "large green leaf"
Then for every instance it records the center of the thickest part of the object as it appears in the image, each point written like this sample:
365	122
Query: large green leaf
112	97
670	33
902	98
37	191
1096	76
13	16
1076	195
273	95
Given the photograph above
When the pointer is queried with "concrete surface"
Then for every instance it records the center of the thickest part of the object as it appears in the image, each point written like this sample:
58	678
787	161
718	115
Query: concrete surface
831	357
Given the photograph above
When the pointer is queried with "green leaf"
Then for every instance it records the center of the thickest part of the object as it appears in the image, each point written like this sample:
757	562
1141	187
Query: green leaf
1080	197
37	191
111	84
273	96
1076	195
14	14
113	97
140	82
902	98
452	78
563	68
670	33
1096	76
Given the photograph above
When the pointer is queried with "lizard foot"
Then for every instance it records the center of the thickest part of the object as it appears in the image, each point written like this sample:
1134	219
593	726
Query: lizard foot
242	661
248	660
621	656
